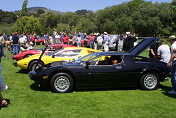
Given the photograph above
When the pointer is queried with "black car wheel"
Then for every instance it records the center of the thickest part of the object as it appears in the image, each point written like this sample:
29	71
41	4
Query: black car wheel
33	65
149	81
61	83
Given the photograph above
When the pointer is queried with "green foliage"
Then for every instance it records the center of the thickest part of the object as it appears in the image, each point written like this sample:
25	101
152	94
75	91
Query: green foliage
40	11
7	17
69	18
139	16
7	28
24	9
85	25
81	12
48	21
28	24
122	24
63	27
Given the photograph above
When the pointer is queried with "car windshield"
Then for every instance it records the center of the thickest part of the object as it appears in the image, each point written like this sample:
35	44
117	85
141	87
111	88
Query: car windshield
52	53
86	58
69	53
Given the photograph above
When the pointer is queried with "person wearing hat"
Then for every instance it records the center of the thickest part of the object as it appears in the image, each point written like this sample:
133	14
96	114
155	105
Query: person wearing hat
163	52
129	42
119	43
106	42
172	64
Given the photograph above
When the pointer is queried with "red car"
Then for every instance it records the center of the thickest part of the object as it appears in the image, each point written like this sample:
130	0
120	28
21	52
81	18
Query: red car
40	41
51	48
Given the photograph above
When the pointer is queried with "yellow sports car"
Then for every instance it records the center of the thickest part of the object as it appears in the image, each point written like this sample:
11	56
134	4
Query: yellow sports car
68	53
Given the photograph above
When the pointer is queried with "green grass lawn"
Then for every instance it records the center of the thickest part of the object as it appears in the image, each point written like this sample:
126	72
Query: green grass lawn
27	101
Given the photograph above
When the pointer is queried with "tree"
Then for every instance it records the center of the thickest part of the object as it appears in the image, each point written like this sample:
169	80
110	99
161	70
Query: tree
81	12
28	25
85	25
40	11
49	21
63	27
69	18
7	17
123	24
24	9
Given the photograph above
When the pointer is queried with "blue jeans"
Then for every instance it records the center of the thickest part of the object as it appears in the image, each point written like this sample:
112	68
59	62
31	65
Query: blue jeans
2	47
173	76
92	44
15	49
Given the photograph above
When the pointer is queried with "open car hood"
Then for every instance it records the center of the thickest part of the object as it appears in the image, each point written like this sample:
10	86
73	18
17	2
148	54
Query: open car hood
142	45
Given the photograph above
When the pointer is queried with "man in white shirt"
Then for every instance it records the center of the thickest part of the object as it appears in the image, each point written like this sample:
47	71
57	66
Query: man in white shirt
22	40
163	52
99	42
119	43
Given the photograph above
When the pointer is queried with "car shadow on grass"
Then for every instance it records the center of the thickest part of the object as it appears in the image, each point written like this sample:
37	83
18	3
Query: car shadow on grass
38	87
165	91
23	71
106	89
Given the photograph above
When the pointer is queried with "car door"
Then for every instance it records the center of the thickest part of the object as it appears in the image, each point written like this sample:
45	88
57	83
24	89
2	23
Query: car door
106	76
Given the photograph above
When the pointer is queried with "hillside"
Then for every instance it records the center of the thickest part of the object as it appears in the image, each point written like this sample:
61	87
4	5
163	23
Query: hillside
35	9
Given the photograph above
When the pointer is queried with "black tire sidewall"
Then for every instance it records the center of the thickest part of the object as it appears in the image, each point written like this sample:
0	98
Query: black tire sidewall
70	89
142	81
31	65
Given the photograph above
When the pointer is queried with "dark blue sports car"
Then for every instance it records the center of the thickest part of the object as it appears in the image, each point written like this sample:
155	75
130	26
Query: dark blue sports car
104	70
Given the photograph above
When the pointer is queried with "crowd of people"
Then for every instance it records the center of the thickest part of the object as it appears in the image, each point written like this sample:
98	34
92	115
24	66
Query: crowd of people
21	42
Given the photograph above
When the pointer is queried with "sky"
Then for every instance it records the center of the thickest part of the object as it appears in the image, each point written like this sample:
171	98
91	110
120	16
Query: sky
65	5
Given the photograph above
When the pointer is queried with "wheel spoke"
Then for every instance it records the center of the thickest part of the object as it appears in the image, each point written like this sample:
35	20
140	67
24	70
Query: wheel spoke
150	81
62	83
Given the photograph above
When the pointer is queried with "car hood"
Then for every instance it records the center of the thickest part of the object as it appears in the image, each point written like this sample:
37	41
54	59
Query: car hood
142	45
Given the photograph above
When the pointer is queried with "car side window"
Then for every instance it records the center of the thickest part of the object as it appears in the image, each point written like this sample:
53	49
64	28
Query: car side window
110	60
95	61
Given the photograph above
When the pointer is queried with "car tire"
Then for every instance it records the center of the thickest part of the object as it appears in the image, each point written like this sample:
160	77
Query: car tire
149	81
33	64
61	83
27	55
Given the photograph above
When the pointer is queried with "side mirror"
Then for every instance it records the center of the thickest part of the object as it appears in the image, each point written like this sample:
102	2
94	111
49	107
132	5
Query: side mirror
53	56
87	64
